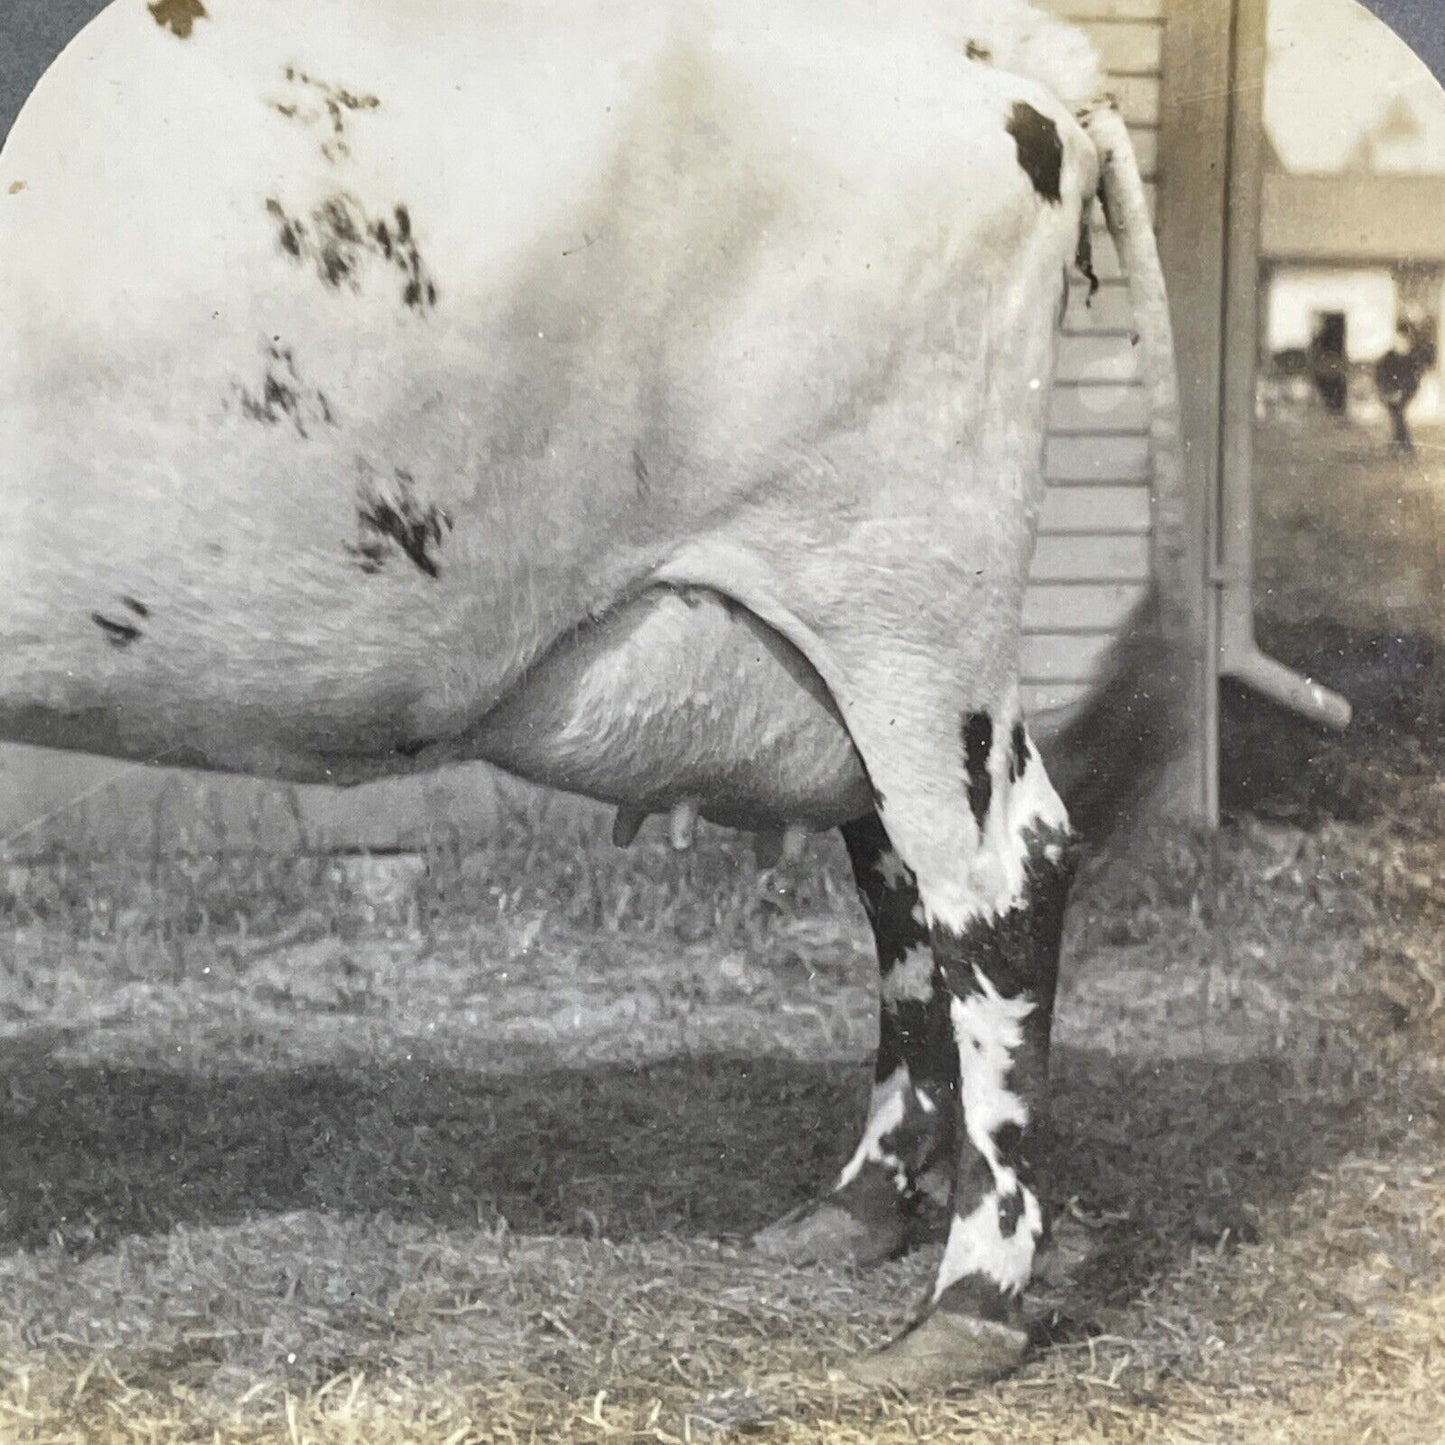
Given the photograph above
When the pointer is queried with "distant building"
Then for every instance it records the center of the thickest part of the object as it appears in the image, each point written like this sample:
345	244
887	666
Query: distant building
1348	254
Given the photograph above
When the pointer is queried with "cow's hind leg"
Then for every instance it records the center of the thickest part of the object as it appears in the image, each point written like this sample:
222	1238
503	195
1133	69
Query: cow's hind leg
988	840
894	1186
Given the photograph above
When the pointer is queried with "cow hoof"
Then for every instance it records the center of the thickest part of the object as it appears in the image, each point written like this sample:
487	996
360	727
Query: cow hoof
826	1233
626	826
942	1351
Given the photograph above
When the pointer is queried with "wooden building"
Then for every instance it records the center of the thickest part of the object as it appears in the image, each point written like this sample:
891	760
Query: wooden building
1188	75
1189	78
1366	247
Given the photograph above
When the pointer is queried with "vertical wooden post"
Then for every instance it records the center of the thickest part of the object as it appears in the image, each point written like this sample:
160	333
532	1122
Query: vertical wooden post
1233	559
1232	564
1193	202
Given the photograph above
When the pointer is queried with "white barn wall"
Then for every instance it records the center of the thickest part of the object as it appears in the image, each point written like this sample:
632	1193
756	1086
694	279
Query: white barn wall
1092	563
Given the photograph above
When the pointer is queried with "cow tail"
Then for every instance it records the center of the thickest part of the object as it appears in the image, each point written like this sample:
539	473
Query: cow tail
1110	755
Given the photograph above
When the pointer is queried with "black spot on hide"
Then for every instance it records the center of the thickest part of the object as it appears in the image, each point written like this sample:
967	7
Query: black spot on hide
1040	149
977	745
976	51
118	634
1010	1212
1018	752
392	516
283	396
341	240
139	608
1017	951
889	909
1008	1140
318	103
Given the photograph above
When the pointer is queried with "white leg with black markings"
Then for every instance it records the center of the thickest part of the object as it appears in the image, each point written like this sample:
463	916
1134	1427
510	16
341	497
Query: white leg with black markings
890	1194
995	956
913	1110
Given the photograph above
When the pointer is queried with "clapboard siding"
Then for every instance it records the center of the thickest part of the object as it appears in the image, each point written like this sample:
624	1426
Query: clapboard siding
1090	460
1049	700
1130	48
1100	557
1137	97
1062	656
1107	309
1082	407
1096	360
1093	559
1074	510
1074	607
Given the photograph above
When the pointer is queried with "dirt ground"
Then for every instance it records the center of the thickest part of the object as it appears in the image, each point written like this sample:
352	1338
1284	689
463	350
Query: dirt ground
470	1150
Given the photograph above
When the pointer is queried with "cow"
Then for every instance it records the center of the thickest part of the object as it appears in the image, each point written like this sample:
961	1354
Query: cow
647	398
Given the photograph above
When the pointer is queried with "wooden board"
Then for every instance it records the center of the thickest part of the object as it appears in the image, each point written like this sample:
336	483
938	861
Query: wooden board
1080	606
1123	510
1073	460
1129	47
1047	703
1101	559
1095	359
1075	408
1109	309
1063	656
1137	97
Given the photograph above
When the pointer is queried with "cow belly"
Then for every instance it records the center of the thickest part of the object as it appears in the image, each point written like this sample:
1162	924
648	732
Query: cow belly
677	696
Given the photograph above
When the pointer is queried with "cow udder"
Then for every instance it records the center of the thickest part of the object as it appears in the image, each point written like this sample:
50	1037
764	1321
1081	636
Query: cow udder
675	696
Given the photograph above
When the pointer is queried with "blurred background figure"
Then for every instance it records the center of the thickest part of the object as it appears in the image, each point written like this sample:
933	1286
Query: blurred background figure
1328	364
1397	378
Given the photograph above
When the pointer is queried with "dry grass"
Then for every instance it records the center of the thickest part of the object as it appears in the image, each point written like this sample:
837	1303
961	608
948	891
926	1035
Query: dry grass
468	1149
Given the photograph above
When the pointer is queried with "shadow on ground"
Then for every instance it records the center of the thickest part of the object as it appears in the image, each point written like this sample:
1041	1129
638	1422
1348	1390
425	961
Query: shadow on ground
1275	764
1169	1154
